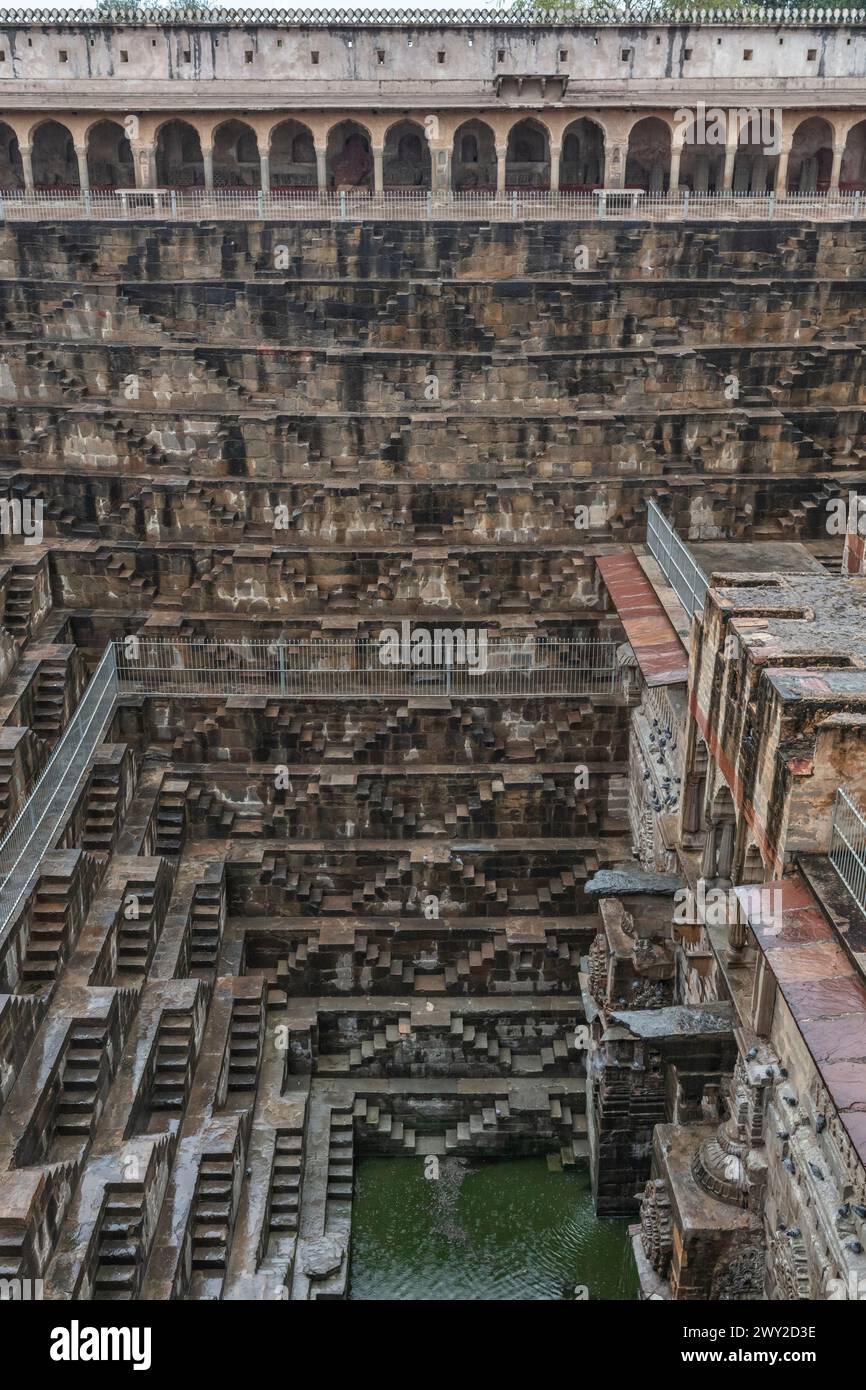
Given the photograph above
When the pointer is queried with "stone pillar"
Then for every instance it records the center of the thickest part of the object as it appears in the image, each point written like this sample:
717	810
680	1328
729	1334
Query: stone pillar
838	151
615	160
83	172
708	858
27	164
725	857
144	164
501	152
322	169
378	173
676	156
207	156
782	171
265	167
440	168
763	998
555	155
730	161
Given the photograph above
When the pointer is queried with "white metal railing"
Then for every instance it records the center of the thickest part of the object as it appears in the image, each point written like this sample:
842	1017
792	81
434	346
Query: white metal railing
682	572
848	846
512	205
466	664
35	829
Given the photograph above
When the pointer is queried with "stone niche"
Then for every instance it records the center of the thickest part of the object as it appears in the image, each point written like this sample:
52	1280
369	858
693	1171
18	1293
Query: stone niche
632	956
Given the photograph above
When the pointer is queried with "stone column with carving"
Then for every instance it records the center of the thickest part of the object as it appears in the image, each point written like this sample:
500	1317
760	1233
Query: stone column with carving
555	154
144	163
615	161
83	171
321	167
501	155
265	168
730	161
676	156
838	152
781	184
26	152
207	157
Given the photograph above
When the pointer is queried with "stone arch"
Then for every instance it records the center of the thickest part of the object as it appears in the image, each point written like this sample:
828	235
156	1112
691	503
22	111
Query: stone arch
810	162
55	164
236	156
853	175
179	161
473	160
293	156
109	156
406	162
349	158
527	158
11	165
648	164
581	163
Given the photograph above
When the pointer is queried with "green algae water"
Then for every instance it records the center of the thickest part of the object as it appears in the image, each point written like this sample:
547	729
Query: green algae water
495	1229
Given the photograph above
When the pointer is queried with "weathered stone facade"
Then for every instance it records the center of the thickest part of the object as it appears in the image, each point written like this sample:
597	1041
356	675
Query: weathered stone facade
273	930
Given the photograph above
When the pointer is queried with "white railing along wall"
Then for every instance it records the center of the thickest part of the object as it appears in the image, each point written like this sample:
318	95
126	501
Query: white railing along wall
848	846
512	205
467	663
35	829
682	572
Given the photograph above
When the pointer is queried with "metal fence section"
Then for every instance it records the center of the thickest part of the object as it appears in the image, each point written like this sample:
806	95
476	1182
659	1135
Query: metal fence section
848	846
682	572
288	205
34	831
453	662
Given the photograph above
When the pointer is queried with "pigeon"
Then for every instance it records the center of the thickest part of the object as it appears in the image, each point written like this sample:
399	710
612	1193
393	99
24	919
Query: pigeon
770	1073
859	1211
751	1054
820	1124
844	1210
783	1072
782	1134
815	1171
790	1100
794	1232
788	1165
855	1247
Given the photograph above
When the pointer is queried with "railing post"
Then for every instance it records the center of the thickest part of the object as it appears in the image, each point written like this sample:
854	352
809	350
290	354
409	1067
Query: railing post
342	197
174	205
261	205
429	201
771	206
857	203
514	203
88	203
